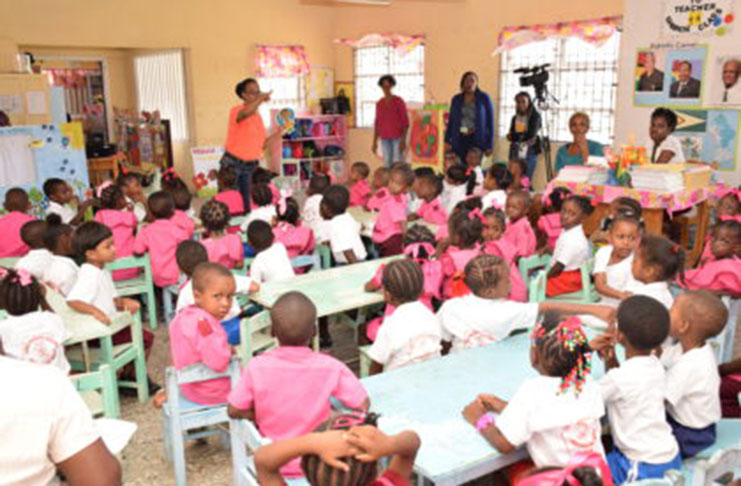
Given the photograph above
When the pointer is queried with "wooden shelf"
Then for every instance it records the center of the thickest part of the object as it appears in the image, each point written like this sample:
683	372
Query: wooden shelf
309	139
312	159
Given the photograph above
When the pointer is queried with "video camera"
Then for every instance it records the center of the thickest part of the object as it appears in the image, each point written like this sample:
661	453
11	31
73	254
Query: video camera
537	77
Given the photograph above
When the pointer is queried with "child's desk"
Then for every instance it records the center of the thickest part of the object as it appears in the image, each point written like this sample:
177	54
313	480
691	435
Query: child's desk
430	396
368	218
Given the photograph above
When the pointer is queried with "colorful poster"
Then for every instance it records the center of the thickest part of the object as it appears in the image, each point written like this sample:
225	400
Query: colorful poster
320	85
709	136
666	77
426	137
683	18
205	169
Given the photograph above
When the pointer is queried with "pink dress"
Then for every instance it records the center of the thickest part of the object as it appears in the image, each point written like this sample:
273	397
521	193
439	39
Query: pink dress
391	218
198	337
227	250
454	261
276	193
160	239
503	249
360	193
376	200
433	212
550	224
720	275
521	236
233	200
123	225
181	219
298	240
11	245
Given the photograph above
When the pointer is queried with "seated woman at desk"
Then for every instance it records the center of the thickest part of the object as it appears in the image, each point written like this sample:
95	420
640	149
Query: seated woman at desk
663	147
578	151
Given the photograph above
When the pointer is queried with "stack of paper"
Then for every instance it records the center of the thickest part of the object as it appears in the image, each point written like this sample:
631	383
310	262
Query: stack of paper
580	174
652	178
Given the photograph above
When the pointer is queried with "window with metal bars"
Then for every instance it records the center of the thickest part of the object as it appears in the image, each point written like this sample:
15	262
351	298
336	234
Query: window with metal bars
373	62
583	77
288	92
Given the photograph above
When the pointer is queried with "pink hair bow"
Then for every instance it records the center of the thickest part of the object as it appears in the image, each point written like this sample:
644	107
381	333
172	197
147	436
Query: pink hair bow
99	190
730	190
566	475
283	201
170	173
24	278
3	272
413	249
573	323
476	213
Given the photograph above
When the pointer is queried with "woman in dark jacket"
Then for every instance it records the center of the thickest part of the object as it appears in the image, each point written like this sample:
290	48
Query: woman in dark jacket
471	122
523	132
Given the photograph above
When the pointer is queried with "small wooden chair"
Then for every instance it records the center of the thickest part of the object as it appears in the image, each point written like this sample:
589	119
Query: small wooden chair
528	265
717	460
98	390
9	262
254	333
365	361
141	285
587	295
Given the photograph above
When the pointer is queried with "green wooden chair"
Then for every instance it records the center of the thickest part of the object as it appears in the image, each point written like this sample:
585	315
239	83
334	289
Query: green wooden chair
9	262
254	333
587	295
365	361
528	265
98	390
141	285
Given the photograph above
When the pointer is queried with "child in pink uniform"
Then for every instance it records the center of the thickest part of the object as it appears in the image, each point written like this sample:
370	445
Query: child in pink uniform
380	189
389	227
428	188
720	273
549	224
298	239
160	239
497	181
182	215
464	229
16	205
222	247
519	233
360	190
495	244
196	334
286	391
122	223
418	246
228	193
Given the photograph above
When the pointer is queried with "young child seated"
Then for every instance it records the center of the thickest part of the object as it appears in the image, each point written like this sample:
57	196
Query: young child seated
356	446
557	414
360	191
486	316
414	200
494	244
196	334
729	205
31	331
312	216
663	147
17	206
634	393
620	207
428	188
62	270
298	239
38	259
160	238
458	184
549	226
287	391
271	261
131	186
721	272
692	380
656	262
264	176
392	216
189	255
519	232
343	232
222	247
464	229
183	214
613	263
228	193
520	180
411	334
263	208
497	181
64	202
379	185
473	165
572	248
115	214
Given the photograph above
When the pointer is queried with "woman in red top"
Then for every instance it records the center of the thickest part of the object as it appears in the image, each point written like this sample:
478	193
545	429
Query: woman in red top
392	123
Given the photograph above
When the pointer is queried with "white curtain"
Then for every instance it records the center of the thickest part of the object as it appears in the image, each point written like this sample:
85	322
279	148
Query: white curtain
160	84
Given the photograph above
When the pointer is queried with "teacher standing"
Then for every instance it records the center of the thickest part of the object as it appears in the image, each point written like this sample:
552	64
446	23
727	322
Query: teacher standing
471	122
246	138
392	123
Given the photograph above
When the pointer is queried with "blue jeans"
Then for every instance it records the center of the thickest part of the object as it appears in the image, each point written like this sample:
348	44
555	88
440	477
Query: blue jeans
243	169
391	152
531	159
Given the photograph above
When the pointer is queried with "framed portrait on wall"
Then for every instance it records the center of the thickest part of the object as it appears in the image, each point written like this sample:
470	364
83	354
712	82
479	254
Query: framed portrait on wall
724	79
670	77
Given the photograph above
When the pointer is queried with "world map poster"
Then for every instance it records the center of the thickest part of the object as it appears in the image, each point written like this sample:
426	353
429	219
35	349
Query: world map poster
709	136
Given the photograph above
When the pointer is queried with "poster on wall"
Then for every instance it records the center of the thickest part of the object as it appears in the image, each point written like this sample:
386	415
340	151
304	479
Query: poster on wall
672	77
686	18
723	78
205	169
320	85
426	136
31	154
709	136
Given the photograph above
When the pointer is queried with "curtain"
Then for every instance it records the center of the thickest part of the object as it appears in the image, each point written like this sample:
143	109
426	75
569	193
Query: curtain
160	84
403	44
596	31
77	84
281	61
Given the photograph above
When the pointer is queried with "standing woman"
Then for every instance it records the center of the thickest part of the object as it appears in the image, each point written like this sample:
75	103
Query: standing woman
246	138
471	122
523	132
392	123
578	151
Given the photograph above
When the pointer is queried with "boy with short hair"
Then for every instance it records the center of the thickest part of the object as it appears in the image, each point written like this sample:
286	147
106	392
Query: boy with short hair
61	196
38	258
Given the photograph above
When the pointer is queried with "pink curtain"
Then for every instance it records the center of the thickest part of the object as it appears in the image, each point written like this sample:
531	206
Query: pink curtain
596	31
404	44
281	61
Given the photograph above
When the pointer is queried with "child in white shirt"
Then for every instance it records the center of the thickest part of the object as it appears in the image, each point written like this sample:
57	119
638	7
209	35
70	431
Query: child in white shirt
311	215
634	393
61	196
656	263
556	414
271	262
133	192
613	263
62	270
343	230
263	208
692	379
458	184
411	334
497	181
572	248
38	259
31	332
663	147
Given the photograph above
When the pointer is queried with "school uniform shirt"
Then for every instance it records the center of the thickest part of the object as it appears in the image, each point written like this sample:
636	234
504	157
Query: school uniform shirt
391	218
160	239
454	262
410	335
360	193
312	217
671	143
66	212
289	389
376	200
521	236
233	200
298	240
198	337
452	195
94	286
494	199
634	395
226	250
184	222
550	225
36	262
344	234
619	274
692	384
186	298
504	250
572	248
140	211
37	337
720	275
271	265
263	213
554	425
44	422
123	225
471	321
11	244
658	290
62	273
433	212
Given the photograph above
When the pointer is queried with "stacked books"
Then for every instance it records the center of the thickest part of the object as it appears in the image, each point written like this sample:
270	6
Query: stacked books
583	174
669	177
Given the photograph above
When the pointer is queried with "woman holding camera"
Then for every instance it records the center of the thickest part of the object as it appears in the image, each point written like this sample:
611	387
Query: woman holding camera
578	151
392	123
523	132
471	122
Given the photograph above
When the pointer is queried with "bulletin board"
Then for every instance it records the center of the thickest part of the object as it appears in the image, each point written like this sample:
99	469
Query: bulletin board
31	154
25	98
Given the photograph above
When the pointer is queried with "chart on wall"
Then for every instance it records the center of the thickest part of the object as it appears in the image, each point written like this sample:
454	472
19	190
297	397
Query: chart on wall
669	77
29	155
206	167
709	136
683	18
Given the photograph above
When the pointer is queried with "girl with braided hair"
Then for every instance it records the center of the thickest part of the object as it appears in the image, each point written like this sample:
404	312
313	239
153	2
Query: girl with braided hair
464	229
222	247
297	238
495	244
122	221
555	414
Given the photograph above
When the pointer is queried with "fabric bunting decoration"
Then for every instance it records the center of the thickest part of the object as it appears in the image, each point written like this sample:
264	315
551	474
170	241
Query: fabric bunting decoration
281	61
596	32
403	44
